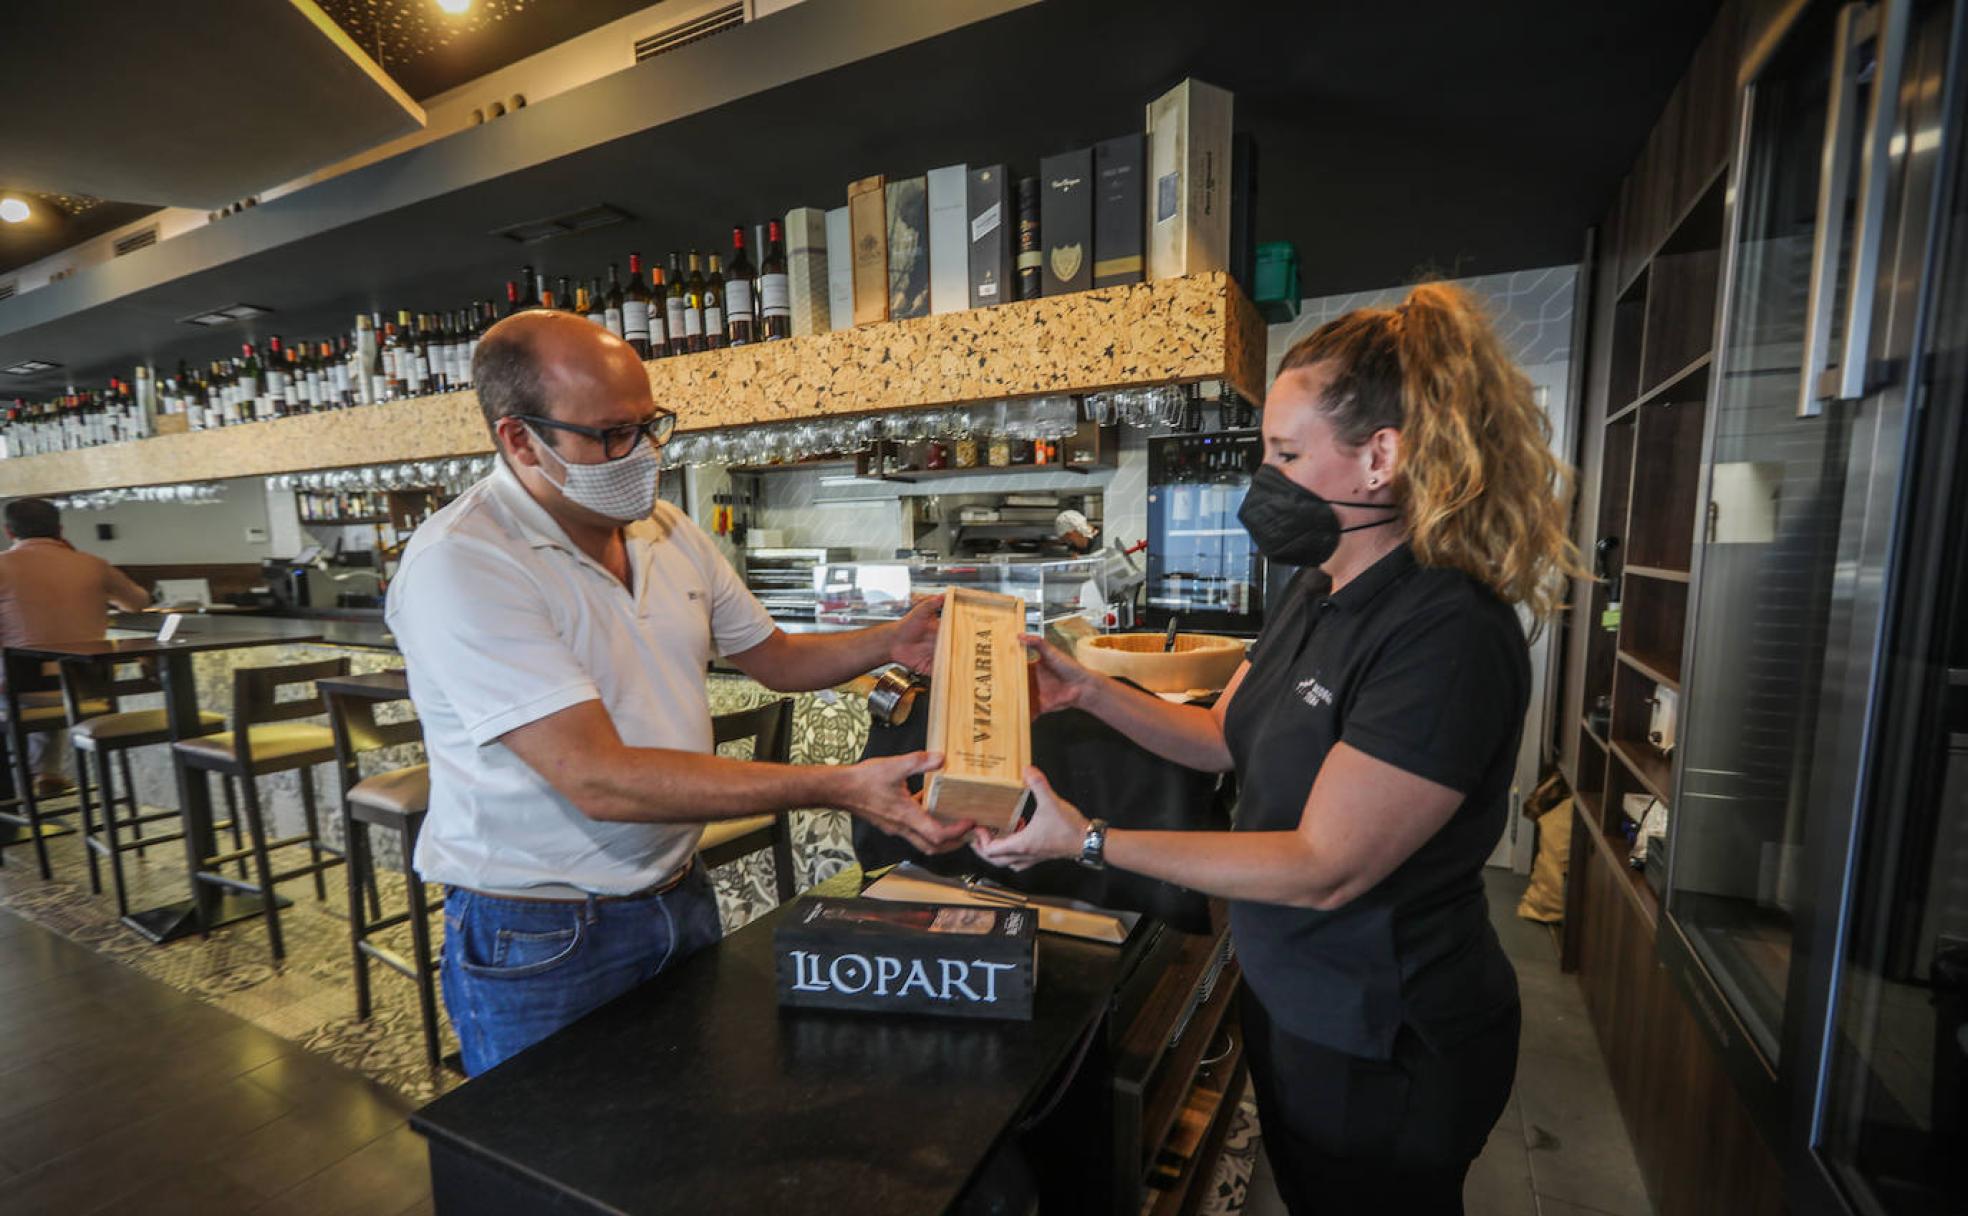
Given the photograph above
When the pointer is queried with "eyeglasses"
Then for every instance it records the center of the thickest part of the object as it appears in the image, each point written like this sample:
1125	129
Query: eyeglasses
616	441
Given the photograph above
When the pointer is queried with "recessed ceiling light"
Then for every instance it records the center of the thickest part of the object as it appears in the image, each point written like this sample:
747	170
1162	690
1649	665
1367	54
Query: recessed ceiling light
13	210
455	7
226	315
28	367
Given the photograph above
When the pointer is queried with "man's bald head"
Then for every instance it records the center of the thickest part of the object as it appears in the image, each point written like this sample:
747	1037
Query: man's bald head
557	365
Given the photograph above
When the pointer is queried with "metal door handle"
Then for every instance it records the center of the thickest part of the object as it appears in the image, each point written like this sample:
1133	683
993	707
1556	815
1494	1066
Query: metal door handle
1895	20
1841	128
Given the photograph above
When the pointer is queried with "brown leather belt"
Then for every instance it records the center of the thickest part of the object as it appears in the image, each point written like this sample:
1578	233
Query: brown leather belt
662	888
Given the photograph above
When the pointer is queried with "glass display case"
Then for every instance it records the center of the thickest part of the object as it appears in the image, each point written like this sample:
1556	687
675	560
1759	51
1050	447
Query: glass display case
868	593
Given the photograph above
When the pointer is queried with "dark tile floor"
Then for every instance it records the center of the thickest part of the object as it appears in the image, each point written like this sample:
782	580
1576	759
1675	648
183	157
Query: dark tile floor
1560	1148
119	1094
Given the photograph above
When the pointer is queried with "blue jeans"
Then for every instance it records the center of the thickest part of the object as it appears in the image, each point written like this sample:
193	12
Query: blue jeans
515	971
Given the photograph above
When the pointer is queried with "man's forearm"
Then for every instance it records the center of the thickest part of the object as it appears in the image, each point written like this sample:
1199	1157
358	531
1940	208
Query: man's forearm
660	785
803	662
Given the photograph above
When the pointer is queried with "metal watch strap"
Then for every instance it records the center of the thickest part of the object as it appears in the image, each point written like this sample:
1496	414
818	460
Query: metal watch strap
1093	848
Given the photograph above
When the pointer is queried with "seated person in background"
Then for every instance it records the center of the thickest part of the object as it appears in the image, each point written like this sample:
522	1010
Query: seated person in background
52	592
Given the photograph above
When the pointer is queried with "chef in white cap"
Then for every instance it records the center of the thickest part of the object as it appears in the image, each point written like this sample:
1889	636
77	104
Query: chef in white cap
1075	530
1117	572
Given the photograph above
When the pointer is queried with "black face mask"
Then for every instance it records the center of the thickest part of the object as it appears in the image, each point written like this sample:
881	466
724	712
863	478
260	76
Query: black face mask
1291	524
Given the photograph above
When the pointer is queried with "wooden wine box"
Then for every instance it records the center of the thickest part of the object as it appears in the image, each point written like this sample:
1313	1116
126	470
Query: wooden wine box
980	711
872	956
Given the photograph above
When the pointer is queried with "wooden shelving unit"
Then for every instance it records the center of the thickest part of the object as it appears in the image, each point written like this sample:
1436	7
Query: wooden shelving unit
1170	331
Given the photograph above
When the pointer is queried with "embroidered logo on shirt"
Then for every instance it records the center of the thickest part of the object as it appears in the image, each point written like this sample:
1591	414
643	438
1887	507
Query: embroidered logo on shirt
693	595
1314	693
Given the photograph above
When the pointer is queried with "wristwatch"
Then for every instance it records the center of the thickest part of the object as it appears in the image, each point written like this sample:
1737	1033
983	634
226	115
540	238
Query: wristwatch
1093	849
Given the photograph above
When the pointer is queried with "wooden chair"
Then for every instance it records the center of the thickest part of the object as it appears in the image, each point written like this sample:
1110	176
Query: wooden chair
33	706
770	728
395	801
268	737
116	734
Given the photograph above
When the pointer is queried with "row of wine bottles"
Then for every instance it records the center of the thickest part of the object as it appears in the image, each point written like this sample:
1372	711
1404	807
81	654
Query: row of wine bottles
695	304
702	304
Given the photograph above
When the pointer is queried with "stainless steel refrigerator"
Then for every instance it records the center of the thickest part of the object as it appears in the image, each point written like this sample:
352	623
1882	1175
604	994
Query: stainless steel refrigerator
1817	892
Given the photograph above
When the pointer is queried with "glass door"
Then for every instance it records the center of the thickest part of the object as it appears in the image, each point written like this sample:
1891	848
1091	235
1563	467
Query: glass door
1801	472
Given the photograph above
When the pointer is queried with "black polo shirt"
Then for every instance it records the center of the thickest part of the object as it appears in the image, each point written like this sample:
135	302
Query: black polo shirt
1427	670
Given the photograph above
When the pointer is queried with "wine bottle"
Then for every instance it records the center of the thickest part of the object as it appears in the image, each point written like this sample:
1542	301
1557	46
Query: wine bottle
635	309
658	324
276	380
512	297
529	289
564	294
611	304
693	304
775	289
740	317
714	333
675	305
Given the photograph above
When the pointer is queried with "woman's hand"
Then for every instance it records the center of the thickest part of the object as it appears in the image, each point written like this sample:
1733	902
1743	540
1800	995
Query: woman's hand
1062	682
1056	830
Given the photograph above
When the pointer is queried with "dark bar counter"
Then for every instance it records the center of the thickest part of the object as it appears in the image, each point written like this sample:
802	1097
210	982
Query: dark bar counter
697	1093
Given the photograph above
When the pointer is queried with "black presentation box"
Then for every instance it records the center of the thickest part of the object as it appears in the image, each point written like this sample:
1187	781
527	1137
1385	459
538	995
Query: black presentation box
873	956
1066	220
992	237
1119	211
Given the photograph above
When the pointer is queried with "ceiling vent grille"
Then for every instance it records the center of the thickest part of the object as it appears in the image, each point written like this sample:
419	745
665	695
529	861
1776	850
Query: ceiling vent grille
137	240
8	288
718	20
532	231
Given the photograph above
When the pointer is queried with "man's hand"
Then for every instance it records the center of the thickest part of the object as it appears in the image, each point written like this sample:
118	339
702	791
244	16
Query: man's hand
915	635
1062	682
1056	830
877	790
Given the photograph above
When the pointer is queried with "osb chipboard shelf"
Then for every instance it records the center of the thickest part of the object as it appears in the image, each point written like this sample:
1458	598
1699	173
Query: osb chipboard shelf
1200	327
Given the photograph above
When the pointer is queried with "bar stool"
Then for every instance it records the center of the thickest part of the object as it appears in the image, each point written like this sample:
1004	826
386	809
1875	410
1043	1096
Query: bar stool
33	706
116	734
394	801
770	728
266	738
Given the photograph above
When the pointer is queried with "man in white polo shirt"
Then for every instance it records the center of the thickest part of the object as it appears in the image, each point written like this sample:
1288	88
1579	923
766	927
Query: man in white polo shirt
557	623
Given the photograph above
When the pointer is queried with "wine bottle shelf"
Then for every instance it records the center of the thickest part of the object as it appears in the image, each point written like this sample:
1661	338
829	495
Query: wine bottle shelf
1199	327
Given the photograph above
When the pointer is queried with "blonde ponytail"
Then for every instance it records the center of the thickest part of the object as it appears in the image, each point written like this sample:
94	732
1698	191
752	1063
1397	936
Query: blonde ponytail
1480	489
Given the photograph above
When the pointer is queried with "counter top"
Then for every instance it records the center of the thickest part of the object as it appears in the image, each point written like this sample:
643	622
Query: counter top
697	1093
339	630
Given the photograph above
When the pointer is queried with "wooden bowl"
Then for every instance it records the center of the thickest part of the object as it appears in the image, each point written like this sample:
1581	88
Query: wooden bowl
1199	660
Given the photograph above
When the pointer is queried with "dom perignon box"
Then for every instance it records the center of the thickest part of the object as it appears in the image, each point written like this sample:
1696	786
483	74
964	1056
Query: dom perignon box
1066	220
1189	180
872	956
991	238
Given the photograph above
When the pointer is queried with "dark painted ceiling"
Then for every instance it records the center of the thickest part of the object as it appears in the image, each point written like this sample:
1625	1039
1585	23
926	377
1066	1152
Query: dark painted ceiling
427	50
57	221
1393	140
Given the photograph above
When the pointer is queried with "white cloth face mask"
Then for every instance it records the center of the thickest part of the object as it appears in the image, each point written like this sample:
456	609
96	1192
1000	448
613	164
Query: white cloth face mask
623	490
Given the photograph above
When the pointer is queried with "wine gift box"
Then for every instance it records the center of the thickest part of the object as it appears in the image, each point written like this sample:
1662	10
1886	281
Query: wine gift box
1189	180
867	221
991	239
979	711
908	248
806	270
1118	211
949	246
840	271
872	956
1066	220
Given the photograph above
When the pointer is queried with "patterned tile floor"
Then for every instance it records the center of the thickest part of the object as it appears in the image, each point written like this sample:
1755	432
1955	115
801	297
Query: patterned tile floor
310	1001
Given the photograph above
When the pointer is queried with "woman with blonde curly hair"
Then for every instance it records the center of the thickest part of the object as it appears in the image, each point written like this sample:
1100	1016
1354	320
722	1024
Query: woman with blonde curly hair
1374	731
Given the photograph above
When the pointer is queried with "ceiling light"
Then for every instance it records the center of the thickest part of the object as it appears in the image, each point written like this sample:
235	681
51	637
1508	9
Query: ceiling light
455	7
28	367
13	210
226	315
